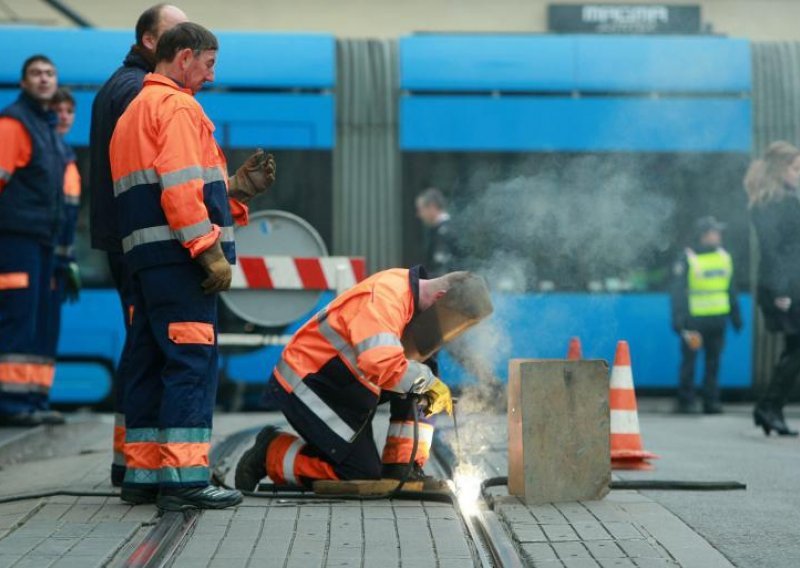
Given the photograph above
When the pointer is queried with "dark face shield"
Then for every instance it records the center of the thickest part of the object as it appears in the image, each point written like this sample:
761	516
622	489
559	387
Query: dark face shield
465	304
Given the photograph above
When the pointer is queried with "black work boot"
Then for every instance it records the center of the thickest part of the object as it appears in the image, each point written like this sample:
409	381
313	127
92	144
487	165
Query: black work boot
139	495
22	419
252	466
208	497
780	424
398	471
712	407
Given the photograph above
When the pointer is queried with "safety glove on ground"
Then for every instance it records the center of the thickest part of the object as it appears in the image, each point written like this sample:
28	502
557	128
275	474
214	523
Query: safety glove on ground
217	267
439	399
72	287
254	177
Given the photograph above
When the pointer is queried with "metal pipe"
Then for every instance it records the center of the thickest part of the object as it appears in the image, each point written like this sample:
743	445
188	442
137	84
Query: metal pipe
69	13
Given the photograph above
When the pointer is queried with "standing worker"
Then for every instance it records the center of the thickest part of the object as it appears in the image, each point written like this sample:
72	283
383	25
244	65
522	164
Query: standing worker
703	300
109	104
347	360
176	218
440	241
66	283
772	185
32	164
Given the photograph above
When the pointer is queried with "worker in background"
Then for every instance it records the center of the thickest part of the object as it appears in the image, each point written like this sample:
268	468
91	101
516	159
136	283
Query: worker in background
440	241
66	283
336	370
176	209
703	301
773	190
32	164
111	101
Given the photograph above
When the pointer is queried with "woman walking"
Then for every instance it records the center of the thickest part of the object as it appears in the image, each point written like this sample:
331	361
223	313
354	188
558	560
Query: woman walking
772	187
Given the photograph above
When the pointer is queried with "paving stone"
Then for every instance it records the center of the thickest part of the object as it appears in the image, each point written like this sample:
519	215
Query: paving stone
591	530
622	530
655	562
566	550
250	513
235	548
228	563
6	561
639	549
79	562
74	530
15	545
538	552
604	549
606	511
120	529
575	512
54	546
616	563
527	533
39	527
580	563
559	532
547	514
99	547
36	561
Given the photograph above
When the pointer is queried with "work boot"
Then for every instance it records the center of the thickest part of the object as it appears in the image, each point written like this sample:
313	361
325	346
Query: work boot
685	407
712	407
21	419
252	466
780	424
51	417
117	475
138	495
398	471
208	497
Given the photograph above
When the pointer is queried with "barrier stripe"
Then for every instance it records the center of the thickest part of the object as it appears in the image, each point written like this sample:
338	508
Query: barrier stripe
255	272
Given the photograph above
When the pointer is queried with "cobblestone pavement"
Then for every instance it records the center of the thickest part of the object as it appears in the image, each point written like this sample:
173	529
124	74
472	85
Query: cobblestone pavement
624	529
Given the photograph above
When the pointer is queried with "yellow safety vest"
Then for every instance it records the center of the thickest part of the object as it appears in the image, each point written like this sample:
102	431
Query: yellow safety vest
709	281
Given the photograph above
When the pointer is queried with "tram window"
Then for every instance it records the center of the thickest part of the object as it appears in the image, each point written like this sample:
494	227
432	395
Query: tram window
596	222
304	187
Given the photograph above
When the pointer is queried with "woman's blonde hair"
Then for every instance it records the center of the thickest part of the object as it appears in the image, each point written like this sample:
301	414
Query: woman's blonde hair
764	178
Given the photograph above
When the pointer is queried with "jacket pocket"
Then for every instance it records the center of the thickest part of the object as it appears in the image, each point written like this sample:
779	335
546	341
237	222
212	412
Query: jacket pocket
191	332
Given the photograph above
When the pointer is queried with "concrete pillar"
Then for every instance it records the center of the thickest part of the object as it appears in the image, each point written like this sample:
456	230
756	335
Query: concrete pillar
558	430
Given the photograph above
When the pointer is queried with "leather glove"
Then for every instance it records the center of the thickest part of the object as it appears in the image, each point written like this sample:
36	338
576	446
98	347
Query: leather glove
439	399
72	283
253	177
217	267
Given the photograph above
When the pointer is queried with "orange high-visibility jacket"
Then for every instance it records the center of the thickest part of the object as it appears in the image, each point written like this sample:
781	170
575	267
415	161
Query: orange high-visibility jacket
337	364
170	178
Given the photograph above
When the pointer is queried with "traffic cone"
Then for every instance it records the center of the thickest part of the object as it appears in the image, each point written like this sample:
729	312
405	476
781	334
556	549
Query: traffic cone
626	440
574	351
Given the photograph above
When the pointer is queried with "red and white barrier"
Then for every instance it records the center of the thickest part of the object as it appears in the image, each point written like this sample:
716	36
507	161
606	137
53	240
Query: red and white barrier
297	273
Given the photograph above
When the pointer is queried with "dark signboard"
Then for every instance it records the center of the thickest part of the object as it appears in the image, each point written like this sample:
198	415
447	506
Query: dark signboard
624	19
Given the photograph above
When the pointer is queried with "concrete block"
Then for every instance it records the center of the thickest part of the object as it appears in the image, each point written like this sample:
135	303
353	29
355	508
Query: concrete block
558	430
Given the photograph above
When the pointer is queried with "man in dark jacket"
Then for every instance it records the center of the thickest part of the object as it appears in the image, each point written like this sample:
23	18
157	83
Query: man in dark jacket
703	300
109	104
32	163
440	242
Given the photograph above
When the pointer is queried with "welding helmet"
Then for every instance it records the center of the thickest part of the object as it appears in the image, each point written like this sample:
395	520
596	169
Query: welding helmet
466	303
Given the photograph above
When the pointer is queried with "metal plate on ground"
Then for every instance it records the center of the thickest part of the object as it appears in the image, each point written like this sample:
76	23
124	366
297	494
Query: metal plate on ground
275	233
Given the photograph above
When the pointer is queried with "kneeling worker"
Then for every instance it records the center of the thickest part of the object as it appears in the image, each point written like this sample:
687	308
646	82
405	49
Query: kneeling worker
347	360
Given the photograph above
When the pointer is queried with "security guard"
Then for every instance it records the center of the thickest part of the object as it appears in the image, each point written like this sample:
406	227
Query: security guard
176	215
111	101
440	245
343	363
32	164
66	282
703	300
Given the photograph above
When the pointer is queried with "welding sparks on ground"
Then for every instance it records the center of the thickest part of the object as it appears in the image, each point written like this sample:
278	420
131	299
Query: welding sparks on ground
467	487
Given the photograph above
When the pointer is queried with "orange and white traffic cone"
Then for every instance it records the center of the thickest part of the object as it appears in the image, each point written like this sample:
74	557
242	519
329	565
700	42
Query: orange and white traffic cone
626	441
574	350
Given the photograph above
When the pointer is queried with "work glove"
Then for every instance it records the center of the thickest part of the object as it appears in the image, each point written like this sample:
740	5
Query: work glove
439	399
217	267
693	339
254	177
72	282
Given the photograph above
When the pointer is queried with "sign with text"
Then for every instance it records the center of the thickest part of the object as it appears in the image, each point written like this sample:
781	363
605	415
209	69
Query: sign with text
624	18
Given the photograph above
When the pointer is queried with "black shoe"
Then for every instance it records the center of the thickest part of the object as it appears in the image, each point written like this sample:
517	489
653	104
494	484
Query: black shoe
780	425
765	418
139	495
712	408
684	407
208	497
252	466
22	419
51	417
398	471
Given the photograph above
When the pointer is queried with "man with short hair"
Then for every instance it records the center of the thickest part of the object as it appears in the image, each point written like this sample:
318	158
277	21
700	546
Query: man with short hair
32	164
355	354
109	104
176	208
431	207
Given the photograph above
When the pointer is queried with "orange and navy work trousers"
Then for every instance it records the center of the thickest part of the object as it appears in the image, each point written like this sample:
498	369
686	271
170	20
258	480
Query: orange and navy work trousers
169	370
297	460
116	265
26	370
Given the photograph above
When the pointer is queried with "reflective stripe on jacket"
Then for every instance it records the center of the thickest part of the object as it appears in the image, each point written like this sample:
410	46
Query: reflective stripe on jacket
65	248
170	179
709	281
335	366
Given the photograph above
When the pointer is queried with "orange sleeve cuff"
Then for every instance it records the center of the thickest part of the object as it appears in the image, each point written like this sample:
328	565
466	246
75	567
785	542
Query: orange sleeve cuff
204	242
239	211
